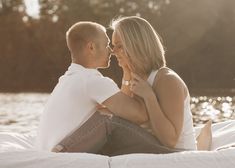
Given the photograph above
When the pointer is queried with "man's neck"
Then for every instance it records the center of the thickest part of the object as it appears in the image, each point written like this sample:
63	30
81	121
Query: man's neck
84	61
85	65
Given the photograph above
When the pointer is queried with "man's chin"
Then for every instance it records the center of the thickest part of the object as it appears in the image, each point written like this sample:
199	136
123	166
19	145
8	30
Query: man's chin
104	66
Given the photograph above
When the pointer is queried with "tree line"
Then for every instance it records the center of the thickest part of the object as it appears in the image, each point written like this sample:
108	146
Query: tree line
198	37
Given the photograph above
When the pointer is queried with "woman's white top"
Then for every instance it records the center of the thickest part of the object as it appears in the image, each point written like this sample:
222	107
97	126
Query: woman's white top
187	138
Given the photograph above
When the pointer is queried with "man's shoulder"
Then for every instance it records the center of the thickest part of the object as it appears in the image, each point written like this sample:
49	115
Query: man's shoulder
99	78
102	83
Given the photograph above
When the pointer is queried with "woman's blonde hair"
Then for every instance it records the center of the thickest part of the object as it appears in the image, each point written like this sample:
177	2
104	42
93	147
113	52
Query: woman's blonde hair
141	43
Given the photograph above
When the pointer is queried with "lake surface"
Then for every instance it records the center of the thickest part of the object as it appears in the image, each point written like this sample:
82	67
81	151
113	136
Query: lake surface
20	112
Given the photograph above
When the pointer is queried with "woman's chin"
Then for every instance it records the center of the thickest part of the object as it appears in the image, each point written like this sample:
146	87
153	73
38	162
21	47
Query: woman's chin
119	64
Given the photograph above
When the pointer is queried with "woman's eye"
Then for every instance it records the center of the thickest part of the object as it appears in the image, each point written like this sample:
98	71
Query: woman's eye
119	46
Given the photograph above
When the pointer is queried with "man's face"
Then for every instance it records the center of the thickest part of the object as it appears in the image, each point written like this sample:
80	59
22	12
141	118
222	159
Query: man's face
103	51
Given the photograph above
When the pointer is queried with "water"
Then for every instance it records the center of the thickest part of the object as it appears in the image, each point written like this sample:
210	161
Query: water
21	112
216	108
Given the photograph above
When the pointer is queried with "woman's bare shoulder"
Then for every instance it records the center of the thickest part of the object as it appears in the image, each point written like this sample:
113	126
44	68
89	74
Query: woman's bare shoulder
166	74
167	78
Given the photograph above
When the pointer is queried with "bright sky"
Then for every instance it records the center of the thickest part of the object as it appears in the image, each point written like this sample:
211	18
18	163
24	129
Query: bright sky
32	8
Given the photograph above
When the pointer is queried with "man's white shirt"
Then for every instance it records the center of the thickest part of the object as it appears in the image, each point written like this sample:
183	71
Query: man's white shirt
73	101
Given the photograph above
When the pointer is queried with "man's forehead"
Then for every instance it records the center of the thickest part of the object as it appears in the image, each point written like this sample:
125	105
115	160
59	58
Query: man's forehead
107	37
104	35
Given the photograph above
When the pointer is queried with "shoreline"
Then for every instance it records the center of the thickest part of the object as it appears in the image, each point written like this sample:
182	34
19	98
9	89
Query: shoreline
193	92
212	92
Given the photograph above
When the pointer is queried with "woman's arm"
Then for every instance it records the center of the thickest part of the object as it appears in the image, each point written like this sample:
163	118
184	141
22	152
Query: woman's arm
125	88
165	105
128	106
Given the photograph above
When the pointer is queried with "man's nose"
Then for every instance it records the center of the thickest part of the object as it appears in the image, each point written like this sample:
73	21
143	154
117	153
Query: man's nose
110	50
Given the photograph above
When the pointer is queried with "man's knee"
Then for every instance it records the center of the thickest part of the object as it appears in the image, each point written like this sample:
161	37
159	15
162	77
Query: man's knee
58	148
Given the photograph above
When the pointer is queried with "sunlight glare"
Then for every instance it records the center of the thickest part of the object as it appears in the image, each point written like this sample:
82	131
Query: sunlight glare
32	8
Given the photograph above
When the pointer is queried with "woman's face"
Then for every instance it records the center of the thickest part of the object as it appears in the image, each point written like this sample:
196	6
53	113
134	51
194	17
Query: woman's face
118	50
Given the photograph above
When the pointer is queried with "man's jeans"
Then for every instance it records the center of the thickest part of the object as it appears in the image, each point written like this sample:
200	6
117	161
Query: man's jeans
102	134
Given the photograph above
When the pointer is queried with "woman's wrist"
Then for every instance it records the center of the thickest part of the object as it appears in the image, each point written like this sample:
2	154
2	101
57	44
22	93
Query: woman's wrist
126	82
148	96
126	79
126	73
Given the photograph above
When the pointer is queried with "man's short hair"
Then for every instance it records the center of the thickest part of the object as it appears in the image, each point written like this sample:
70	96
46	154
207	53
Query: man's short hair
81	33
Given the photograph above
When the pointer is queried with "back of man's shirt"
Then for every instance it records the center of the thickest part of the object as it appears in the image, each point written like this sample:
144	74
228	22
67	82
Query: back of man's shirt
72	102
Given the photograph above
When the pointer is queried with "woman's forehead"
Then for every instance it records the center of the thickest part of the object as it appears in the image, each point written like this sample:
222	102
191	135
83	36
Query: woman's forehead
115	37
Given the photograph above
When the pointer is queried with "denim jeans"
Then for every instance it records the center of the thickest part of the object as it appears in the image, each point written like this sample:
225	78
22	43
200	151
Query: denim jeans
102	134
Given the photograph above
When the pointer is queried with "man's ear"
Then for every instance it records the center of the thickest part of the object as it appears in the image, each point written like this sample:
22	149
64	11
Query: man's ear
90	46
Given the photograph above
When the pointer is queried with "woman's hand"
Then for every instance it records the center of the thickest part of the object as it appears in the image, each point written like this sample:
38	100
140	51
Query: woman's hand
104	110
140	87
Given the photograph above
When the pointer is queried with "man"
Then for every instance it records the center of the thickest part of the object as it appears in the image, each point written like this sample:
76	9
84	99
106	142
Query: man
71	108
76	96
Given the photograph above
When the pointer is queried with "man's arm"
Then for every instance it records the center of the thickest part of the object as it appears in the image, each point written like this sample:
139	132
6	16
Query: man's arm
104	91
129	108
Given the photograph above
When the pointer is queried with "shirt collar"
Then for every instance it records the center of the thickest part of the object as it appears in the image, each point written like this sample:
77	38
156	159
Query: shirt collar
77	67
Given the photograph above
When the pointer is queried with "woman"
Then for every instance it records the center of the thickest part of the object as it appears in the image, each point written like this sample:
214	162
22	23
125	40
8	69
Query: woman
141	55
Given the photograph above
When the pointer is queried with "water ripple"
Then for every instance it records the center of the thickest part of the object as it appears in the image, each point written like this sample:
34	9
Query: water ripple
21	112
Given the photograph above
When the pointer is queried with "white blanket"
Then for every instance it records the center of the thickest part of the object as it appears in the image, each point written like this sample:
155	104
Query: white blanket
193	159
36	159
16	150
